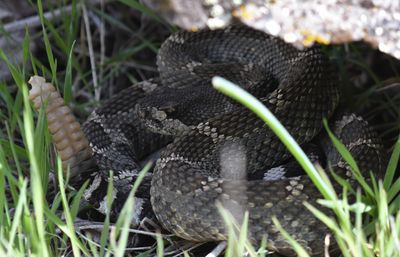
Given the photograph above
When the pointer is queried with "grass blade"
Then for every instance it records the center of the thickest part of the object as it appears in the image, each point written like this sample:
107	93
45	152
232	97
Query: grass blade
392	166
300	251
68	77
240	95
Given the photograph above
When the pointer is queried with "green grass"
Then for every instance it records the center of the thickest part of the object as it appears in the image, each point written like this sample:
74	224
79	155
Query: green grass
377	224
30	225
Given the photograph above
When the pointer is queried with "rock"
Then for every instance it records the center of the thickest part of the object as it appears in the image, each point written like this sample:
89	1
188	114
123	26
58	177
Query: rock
301	23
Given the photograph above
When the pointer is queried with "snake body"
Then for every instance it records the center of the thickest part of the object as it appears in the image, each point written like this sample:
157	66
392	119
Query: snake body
218	151
213	160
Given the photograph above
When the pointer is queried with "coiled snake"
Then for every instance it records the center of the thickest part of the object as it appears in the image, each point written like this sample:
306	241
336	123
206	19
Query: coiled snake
217	150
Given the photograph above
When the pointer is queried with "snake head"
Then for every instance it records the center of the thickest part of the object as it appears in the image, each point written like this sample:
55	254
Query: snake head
160	119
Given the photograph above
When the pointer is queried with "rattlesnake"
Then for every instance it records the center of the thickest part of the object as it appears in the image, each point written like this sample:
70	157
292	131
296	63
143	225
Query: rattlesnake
217	150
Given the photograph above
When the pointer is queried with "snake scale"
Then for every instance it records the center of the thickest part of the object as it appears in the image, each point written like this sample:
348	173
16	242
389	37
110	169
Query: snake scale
217	151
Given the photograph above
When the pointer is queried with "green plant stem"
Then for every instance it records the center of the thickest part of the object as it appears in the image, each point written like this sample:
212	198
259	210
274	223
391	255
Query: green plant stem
240	95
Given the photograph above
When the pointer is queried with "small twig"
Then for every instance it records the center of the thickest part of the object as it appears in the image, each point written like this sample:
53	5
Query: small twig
217	250
389	87
145	221
102	42
34	21
88	239
100	23
101	226
327	242
91	53
177	248
192	248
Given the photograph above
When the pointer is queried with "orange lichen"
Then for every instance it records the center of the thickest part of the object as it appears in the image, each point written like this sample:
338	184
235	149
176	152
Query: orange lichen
310	38
194	29
243	12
